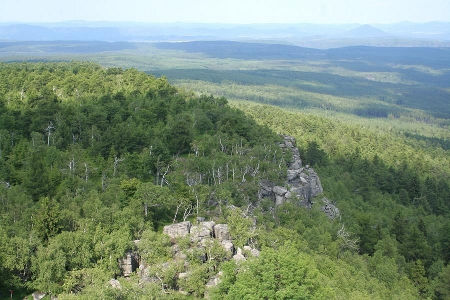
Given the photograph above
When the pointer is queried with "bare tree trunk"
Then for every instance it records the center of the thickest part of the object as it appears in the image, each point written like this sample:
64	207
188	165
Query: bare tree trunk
103	182
163	179
176	213
116	164
187	212
222	147
86	172
49	129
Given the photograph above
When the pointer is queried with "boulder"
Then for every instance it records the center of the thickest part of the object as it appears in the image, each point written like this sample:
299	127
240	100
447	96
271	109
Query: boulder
279	200
209	225
129	263
115	284
221	232
199	233
38	295
228	246
279	190
178	230
239	256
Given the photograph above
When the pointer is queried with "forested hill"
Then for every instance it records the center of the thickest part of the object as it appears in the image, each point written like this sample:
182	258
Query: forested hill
92	159
432	57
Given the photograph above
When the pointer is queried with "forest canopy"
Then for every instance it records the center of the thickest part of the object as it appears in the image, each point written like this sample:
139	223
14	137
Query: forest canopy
93	158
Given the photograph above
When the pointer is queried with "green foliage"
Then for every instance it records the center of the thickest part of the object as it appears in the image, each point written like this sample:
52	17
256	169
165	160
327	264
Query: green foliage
154	247
443	284
240	227
195	281
47	220
278	274
314	155
92	159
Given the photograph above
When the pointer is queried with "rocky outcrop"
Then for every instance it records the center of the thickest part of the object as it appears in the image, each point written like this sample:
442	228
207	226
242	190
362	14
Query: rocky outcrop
221	232
38	295
239	256
202	237
178	230
129	263
200	232
330	209
229	247
302	183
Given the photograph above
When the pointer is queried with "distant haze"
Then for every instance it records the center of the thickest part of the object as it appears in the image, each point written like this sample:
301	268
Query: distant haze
230	11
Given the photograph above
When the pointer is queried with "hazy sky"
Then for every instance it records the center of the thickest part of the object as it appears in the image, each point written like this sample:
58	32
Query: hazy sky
227	11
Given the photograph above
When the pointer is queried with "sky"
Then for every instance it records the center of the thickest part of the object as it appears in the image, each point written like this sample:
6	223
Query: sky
227	11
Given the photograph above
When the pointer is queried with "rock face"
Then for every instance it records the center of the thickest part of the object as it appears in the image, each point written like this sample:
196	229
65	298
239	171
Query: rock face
129	263
330	209
229	247
221	232
301	182
199	233
178	230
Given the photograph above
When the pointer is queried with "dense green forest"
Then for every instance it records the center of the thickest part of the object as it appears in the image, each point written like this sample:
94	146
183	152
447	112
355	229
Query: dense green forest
93	158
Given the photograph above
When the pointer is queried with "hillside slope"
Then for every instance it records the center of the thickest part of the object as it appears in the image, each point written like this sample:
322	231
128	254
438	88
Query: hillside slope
93	159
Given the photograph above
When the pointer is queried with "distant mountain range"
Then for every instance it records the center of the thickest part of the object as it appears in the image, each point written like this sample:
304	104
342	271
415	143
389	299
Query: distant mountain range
435	34
365	31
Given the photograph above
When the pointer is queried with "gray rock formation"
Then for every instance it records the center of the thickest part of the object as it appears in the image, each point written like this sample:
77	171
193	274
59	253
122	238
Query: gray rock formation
266	189
228	246
208	224
301	182
199	232
115	284
252	251
239	256
129	263
221	232
280	194
330	209
38	295
178	230
202	236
